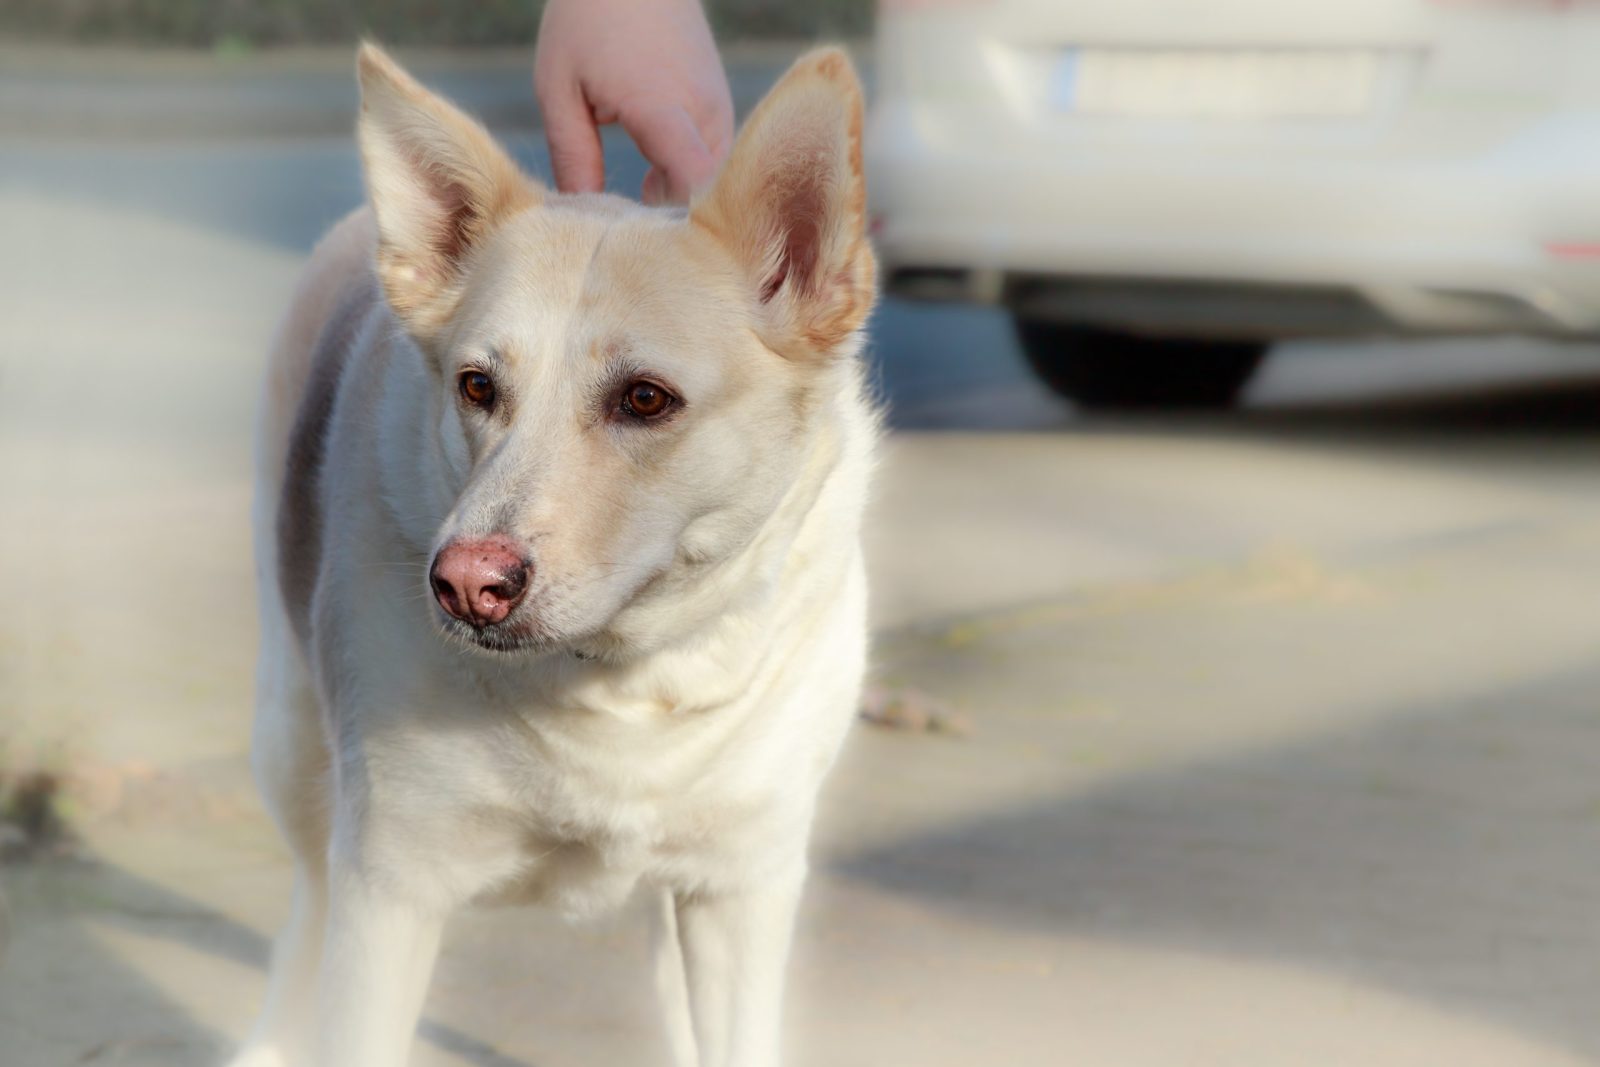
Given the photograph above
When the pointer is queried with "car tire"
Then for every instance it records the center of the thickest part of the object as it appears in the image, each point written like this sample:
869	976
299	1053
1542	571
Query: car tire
1107	370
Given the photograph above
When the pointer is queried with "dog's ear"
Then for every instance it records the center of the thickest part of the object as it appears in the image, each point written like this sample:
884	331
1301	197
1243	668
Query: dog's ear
791	206
438	185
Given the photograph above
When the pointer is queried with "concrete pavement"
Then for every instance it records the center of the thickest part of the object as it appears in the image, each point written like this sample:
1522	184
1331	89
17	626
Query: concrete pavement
1283	742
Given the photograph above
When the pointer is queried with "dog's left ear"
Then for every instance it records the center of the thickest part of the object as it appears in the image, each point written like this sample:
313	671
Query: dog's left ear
438	185
791	206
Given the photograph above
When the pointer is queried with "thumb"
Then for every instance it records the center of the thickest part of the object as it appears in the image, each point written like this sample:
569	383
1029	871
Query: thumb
654	190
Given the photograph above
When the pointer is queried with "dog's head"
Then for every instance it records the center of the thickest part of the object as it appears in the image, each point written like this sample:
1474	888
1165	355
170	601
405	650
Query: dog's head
622	396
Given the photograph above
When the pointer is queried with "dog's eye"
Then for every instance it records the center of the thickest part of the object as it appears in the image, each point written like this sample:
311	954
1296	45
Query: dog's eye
647	400
476	388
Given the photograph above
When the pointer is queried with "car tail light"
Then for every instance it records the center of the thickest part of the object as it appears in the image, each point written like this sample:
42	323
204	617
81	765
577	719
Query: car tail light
1573	249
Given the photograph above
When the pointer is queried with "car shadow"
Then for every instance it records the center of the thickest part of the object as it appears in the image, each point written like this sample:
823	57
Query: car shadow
1559	407
1502	389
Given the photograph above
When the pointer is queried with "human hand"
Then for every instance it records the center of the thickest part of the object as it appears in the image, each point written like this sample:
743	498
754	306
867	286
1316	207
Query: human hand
650	65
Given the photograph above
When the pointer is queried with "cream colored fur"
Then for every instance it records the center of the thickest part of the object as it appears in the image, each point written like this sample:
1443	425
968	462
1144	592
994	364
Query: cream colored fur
687	659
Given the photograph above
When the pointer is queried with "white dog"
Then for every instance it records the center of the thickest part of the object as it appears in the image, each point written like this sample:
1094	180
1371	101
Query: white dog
562	591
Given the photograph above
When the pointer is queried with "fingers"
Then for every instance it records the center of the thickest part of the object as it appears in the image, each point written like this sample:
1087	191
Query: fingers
681	162
576	158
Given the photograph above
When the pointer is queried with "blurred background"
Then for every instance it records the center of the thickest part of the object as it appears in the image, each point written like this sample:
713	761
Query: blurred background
1235	550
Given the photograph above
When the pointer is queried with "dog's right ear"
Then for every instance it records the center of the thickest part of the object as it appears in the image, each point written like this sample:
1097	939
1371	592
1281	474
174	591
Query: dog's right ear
438	185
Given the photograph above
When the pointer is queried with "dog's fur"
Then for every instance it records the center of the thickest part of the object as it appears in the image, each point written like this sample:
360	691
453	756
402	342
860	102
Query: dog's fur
661	707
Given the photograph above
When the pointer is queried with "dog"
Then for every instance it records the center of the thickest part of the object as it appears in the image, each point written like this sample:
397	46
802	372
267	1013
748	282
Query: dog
557	524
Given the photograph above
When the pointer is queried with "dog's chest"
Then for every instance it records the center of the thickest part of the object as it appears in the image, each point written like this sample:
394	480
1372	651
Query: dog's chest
587	806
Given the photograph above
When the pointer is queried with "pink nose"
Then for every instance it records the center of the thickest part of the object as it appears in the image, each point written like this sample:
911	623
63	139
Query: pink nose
480	582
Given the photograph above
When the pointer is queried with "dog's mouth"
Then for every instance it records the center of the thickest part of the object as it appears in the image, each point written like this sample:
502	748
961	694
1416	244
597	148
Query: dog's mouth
501	638
525	631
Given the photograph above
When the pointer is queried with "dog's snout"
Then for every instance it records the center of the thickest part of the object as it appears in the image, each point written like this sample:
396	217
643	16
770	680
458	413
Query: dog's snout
480	582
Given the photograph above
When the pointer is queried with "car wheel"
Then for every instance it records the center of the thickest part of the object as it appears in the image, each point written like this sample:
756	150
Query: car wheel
1103	369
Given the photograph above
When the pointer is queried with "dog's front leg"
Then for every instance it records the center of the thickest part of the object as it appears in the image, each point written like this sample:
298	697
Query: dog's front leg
735	948
672	987
377	959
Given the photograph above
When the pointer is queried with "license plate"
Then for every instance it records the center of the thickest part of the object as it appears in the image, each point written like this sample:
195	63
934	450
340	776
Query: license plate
1213	84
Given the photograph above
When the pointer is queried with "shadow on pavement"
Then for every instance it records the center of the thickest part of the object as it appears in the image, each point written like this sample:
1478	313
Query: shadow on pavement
117	1015
62	987
1406	857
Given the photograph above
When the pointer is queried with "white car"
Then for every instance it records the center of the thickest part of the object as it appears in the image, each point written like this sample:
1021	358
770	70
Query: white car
1159	189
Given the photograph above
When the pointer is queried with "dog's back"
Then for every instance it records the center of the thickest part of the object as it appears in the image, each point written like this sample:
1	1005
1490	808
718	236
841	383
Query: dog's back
338	274
336	294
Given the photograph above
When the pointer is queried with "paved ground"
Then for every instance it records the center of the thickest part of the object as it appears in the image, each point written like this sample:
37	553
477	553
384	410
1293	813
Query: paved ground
1284	748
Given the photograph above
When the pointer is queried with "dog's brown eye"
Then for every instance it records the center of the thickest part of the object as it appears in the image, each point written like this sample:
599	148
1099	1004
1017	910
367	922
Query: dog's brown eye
646	400
477	388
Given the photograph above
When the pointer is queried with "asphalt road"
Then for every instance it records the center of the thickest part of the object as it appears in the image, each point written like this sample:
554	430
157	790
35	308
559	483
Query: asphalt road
1283	745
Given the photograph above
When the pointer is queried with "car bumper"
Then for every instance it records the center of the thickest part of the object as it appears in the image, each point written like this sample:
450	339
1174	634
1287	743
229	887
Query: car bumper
1506	242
